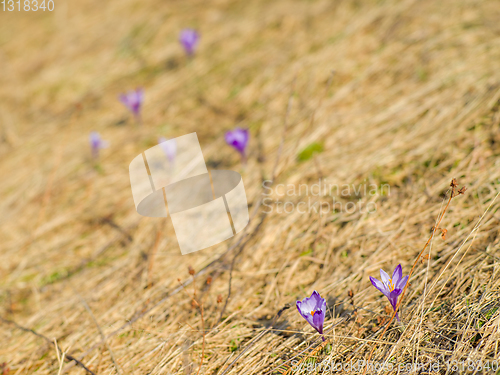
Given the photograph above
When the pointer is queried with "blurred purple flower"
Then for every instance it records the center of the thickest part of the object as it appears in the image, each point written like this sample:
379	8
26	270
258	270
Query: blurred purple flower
391	287
238	138
133	101
169	148
189	39
313	310
96	143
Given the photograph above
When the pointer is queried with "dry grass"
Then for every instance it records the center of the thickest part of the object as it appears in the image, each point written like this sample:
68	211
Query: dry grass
414	102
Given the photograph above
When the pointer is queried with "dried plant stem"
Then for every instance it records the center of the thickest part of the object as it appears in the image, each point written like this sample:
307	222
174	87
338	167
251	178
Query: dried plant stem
309	128
228	291
60	358
285	130
394	116
200	307
124	234
259	336
101	333
434	229
309	355
240	243
49	341
109	221
138	315
48	189
203	344
151	259
273	178
61	363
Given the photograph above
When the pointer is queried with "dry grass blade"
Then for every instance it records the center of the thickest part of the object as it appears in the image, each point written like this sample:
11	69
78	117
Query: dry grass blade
356	128
101	333
66	356
434	230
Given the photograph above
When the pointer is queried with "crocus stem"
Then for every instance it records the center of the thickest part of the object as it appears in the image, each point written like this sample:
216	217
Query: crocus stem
323	337
138	119
401	325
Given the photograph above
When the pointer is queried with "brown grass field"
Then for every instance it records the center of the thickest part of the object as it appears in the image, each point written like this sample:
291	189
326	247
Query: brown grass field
401	95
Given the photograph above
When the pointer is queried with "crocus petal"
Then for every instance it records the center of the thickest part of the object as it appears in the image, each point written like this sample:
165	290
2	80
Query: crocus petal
96	143
323	305
397	274
238	138
305	313
94	138
133	100
393	297
318	320
301	309
229	137
398	283
189	40
140	95
313	309
393	300
310	303
241	136
124	100
402	283
169	148
379	285
137	98
315	297
385	277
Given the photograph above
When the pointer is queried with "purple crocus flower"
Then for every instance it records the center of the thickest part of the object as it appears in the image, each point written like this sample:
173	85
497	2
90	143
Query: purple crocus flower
391	287
169	148
189	39
238	138
313	310
96	143
133	101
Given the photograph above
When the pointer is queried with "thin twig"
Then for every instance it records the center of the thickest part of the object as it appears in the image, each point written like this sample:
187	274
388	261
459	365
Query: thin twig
101	333
151	259
109	221
323	344
273	177
313	115
228	291
239	244
97	254
259	336
313	353
142	313
60	359
434	229
200	306
285	129
69	357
